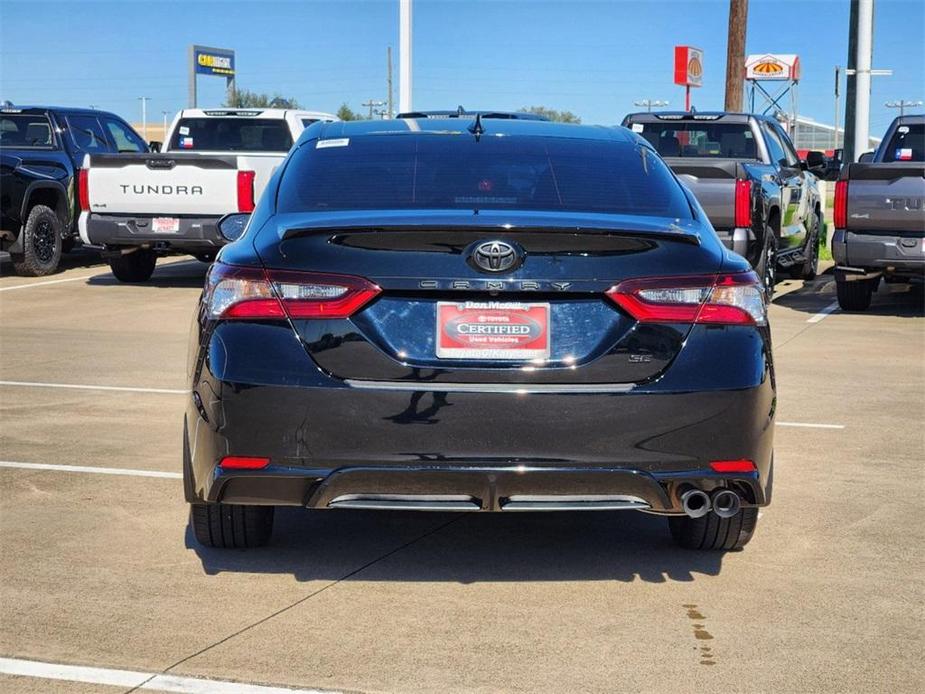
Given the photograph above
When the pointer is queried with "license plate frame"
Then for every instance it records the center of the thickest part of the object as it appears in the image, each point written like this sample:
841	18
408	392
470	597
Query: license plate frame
493	330
165	225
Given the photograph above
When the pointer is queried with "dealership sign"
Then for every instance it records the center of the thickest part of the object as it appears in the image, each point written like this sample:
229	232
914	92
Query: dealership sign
688	66
773	66
214	62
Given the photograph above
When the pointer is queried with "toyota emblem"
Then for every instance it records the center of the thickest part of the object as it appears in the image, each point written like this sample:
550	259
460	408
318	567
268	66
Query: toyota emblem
496	256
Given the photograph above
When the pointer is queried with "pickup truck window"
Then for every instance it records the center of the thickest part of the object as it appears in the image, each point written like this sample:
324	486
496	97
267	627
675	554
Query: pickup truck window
907	144
455	172
775	148
26	132
125	138
705	140
231	135
86	134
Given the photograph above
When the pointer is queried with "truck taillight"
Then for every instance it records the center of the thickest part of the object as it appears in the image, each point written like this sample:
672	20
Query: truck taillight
743	204
245	191
258	294
728	299
83	189
840	210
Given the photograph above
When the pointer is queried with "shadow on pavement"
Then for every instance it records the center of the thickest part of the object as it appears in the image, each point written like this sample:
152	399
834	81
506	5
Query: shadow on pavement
182	274
888	300
76	259
470	548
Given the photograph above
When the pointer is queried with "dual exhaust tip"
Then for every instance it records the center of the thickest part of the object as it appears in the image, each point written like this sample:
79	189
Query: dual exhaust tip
725	503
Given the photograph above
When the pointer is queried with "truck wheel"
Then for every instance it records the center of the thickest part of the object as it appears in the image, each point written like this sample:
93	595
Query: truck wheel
710	532
41	243
134	267
767	263
807	271
228	526
854	296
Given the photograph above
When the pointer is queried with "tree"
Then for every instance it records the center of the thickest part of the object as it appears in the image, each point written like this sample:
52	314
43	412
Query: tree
346	113
244	98
552	114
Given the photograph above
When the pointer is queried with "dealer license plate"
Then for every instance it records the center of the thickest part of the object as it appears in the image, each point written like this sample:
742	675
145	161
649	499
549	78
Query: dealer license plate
492	330
165	225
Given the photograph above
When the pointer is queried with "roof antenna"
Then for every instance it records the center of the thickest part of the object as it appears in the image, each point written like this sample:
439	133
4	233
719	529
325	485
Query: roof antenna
476	128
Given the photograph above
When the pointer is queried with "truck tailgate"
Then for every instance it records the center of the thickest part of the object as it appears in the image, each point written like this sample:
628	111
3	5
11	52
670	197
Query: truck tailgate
713	184
886	198
162	184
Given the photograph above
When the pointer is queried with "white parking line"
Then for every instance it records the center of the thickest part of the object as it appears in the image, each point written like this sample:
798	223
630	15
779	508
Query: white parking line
91	469
809	425
81	386
41	284
150	681
823	313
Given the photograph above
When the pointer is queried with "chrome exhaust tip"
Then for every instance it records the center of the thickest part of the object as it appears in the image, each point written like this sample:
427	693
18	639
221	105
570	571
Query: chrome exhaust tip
695	503
726	503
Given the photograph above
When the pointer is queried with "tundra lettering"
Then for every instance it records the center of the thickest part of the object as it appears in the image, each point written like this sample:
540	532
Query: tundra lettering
161	190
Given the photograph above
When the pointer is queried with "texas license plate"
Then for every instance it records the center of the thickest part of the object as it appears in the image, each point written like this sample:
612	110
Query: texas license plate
165	225
492	330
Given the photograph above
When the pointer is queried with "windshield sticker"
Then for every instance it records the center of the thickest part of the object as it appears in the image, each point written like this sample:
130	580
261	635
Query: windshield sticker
186	142
638	127
339	142
903	129
184	130
904	154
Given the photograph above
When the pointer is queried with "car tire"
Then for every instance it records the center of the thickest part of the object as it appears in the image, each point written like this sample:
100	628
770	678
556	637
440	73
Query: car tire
710	532
231	526
767	263
41	243
856	295
807	271
137	266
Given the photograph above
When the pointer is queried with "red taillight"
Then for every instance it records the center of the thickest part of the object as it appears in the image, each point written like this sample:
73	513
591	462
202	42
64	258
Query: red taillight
840	209
732	465
236	462
743	204
255	293
245	191
734	299
83	190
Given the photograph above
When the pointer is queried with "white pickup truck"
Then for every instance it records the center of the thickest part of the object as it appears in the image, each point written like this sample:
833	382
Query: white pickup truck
213	162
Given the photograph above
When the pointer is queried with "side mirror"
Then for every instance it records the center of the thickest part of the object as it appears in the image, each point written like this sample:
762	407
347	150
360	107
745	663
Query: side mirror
232	226
866	158
815	159
154	146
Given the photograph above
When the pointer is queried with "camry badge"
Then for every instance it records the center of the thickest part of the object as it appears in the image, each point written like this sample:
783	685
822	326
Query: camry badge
496	256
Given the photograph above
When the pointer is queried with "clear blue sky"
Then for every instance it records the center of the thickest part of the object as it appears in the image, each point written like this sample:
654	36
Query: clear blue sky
592	58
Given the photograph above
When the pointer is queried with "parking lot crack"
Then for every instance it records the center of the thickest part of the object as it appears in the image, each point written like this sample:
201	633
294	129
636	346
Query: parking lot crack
298	602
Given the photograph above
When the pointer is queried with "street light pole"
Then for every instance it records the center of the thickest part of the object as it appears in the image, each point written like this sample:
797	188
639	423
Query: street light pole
164	113
144	116
649	104
902	105
404	56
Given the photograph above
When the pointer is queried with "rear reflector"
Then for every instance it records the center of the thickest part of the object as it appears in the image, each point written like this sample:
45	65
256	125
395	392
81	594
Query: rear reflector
732	465
243	463
255	293
83	190
743	204
245	191
733	299
840	209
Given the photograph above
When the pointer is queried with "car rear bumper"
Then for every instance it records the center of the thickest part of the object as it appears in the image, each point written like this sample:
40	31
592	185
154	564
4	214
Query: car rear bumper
862	256
195	233
333	443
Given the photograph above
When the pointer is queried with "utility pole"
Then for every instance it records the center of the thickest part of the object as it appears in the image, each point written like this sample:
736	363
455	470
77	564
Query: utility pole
902	105
144	116
863	36
851	88
735	55
391	110
371	104
649	104
835	132
404	56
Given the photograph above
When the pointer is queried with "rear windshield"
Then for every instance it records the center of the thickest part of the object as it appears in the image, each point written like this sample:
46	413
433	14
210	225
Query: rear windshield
25	131
907	144
453	171
231	135
703	140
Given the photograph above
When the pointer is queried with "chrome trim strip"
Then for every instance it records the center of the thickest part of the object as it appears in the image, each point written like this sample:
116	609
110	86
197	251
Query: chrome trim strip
406	502
513	388
575	502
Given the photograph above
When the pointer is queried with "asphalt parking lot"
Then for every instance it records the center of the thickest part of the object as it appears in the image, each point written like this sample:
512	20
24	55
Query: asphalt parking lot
99	570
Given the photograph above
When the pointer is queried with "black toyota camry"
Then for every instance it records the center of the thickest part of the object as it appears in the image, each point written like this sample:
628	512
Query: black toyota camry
478	315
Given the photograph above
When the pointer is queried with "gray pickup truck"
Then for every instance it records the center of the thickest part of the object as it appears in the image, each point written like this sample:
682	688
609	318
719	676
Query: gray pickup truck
880	216
744	171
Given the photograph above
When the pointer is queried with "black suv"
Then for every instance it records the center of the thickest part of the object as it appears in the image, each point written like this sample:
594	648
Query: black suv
41	150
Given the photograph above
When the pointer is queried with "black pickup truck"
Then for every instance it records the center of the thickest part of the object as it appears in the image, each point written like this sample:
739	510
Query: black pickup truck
41	149
744	171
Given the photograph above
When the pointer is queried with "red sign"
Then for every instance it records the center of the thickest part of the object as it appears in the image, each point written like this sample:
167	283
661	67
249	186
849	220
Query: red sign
492	330
688	66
